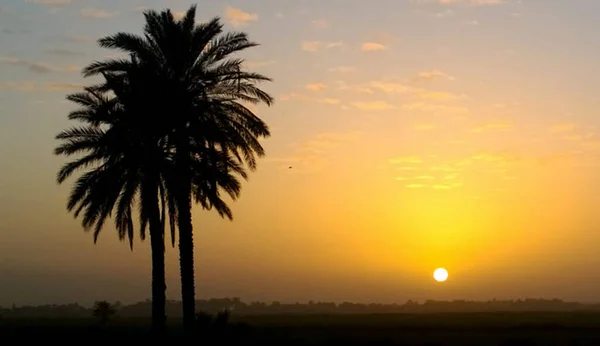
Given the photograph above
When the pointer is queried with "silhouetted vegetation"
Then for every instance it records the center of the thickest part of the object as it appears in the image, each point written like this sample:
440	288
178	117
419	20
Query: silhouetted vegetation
167	126
103	311
239	308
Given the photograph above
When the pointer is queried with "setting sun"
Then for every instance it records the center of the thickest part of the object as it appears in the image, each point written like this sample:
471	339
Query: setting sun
440	275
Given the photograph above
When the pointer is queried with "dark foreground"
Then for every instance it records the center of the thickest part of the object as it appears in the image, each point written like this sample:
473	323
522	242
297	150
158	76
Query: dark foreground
462	329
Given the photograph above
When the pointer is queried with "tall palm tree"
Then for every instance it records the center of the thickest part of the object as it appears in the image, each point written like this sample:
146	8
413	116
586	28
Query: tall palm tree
200	91
124	159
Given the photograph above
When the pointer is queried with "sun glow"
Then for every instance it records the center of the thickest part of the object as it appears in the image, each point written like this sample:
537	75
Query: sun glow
440	275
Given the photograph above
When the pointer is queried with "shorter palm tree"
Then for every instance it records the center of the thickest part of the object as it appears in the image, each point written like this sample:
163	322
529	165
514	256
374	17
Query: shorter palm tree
122	158
104	311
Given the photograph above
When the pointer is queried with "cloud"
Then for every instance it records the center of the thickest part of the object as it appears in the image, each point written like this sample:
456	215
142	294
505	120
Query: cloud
472	2
37	67
302	97
320	23
72	68
314	46
433	75
293	96
373	106
562	128
343	69
331	101
415	186
32	86
427	107
316	87
372	46
97	13
316	153
492	126
405	159
61	86
310	46
329	45
257	64
440	96
445	13
398	88
77	39
51	2
424	126
394	88
237	18
471	22
31	66
63	52
341	85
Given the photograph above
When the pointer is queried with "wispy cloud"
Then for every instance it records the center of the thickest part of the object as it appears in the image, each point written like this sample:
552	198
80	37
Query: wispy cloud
405	159
320	23
314	46
472	22
62	52
77	39
258	64
433	75
444	14
315	153
343	69
52	2
38	67
428	107
562	128
424	126
372	46
237	17
32	86
30	65
303	97
331	101
316	87
399	88
374	106
472	2
97	13
492	126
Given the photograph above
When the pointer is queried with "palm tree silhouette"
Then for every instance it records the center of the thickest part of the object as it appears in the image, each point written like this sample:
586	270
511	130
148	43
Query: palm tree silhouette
197	91
103	310
124	159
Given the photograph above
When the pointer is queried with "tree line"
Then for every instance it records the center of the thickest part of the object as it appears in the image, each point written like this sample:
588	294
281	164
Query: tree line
239	308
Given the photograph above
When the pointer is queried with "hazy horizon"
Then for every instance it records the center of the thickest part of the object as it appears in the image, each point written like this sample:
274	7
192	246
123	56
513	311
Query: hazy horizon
421	134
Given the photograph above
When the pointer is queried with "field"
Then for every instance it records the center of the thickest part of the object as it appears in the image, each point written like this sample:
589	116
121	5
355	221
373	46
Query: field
462	329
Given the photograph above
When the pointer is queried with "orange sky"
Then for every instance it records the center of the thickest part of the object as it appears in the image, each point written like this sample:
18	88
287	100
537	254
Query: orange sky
421	134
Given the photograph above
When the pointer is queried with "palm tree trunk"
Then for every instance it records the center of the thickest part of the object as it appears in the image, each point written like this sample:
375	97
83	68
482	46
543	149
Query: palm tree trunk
186	260
186	236
157	245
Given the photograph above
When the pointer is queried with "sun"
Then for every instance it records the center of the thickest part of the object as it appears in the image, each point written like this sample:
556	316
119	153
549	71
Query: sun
440	275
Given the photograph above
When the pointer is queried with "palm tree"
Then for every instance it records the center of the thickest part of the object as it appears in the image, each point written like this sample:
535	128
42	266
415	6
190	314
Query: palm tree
198	93
124	160
103	310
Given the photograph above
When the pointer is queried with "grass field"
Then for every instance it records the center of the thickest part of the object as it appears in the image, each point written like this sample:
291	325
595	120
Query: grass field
459	329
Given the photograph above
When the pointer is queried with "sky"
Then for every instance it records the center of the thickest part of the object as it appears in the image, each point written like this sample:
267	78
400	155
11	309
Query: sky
421	134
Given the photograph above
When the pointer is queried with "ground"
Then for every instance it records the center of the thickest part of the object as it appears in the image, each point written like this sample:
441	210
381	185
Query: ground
464	329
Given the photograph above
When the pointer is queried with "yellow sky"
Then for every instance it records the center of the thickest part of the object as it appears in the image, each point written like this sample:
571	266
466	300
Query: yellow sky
421	134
